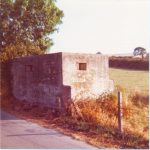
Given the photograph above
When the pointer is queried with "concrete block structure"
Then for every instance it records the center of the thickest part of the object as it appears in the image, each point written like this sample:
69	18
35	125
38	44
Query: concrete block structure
53	79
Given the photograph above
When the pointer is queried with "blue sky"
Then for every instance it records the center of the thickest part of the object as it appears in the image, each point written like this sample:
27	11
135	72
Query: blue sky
108	26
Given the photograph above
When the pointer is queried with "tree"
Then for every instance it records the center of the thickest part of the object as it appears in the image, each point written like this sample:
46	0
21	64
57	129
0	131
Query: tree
25	27
139	51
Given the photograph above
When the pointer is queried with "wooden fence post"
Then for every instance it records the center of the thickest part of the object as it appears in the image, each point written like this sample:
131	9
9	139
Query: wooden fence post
120	114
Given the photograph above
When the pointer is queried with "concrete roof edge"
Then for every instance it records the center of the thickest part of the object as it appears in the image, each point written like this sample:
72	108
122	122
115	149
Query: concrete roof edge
75	53
65	53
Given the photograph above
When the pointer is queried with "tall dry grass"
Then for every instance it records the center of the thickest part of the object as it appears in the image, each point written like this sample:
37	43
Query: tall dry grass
104	112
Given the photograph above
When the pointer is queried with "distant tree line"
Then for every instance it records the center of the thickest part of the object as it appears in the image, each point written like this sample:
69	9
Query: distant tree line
129	63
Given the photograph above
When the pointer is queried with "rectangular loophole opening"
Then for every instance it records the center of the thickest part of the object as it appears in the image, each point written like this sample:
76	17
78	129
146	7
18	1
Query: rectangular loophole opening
82	66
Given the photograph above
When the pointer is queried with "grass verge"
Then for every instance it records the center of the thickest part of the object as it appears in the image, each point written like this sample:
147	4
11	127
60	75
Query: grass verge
93	121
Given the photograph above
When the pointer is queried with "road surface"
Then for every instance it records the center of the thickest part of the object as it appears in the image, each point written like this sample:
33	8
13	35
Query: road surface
18	133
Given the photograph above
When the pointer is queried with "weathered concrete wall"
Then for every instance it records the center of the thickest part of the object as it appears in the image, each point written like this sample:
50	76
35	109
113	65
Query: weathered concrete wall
53	79
89	82
38	79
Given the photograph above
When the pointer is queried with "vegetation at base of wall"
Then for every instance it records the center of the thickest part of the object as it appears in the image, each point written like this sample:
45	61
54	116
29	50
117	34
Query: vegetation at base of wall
93	120
129	63
26	26
103	111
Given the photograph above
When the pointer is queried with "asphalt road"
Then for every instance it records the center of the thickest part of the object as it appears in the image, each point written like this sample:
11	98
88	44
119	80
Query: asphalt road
18	133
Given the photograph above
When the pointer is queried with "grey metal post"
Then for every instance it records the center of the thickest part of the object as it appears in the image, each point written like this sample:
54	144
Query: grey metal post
120	119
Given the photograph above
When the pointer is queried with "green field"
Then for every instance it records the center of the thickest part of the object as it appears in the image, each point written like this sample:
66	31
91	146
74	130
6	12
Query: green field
131	79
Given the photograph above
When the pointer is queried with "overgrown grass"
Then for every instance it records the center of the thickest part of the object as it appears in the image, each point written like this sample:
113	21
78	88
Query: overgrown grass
103	111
